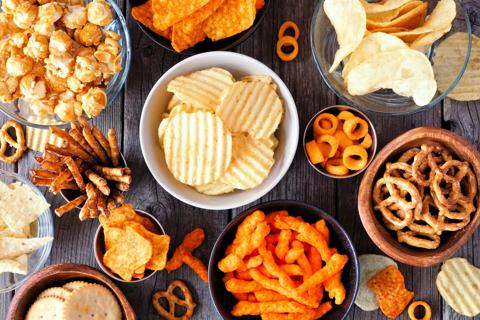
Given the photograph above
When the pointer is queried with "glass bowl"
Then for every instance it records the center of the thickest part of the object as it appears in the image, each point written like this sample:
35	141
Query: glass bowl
20	111
324	44
43	227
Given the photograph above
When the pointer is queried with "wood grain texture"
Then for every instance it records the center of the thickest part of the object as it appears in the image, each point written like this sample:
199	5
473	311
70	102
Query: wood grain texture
73	241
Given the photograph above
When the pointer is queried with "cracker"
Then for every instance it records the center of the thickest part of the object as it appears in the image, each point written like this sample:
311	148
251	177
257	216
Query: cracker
74	285
50	308
56	292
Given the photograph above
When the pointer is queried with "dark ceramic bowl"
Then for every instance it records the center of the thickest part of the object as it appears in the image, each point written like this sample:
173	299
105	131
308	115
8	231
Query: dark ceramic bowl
339	239
207	44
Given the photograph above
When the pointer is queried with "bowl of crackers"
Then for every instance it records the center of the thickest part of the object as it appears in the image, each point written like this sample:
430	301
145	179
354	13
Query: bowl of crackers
61	60
26	230
419	200
281	258
219	130
391	57
191	27
70	291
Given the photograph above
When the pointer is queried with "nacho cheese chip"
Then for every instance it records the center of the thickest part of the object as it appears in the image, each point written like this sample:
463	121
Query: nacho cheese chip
168	12
144	15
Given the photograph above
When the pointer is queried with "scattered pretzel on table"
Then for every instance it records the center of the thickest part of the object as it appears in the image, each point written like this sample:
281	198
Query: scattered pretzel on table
7	140
174	300
425	193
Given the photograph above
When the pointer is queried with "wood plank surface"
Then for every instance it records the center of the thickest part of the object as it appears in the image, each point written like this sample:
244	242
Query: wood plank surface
73	240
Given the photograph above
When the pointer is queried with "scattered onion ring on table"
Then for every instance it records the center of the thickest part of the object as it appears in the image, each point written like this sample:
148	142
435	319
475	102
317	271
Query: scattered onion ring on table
274	267
341	143
288	41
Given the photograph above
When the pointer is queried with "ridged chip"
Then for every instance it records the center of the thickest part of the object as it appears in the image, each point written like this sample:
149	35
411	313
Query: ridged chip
198	147
50	308
38	138
251	163
252	107
214	188
459	285
261	78
370	264
202	89
271	142
93	302
56	292
449	58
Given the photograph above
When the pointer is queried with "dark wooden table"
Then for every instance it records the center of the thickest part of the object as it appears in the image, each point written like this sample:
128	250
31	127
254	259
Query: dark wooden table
73	239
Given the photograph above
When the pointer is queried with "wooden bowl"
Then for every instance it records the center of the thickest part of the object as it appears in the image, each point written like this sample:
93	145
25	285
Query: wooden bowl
58	275
382	237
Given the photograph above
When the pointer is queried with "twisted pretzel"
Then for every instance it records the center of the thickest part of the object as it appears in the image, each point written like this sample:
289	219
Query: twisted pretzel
419	240
173	300
7	140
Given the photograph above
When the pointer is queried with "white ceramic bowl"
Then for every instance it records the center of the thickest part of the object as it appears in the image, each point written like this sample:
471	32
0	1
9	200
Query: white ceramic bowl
156	103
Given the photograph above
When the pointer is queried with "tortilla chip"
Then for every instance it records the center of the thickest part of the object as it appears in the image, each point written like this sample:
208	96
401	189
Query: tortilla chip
144	15
168	12
15	265
14	247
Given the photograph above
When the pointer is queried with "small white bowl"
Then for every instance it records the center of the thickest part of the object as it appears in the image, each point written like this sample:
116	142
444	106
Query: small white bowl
239	65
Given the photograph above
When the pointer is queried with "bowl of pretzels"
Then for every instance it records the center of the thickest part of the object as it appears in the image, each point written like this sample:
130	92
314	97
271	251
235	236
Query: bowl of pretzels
418	200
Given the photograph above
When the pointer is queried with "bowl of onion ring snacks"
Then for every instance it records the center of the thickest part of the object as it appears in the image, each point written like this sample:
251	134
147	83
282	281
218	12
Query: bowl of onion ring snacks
340	142
418	200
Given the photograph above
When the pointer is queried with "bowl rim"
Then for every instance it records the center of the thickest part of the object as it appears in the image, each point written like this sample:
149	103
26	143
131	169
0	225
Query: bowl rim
261	206
367	214
105	269
114	93
373	134
242	36
433	103
47	248
81	270
289	104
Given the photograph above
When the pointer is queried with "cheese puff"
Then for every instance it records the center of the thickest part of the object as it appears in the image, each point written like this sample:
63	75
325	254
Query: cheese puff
94	101
25	15
99	13
60	42
19	65
33	87
75	17
50	12
37	47
89	35
61	65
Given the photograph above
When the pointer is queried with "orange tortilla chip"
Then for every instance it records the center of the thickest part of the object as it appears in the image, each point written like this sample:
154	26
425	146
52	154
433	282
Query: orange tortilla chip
231	18
119	216
168	12
188	32
130	255
160	245
389	288
144	15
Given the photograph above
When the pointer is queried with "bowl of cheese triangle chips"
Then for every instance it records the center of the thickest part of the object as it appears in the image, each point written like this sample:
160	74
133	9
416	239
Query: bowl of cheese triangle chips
26	230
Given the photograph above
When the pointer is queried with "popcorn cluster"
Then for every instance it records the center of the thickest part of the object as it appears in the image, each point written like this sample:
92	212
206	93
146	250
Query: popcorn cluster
56	55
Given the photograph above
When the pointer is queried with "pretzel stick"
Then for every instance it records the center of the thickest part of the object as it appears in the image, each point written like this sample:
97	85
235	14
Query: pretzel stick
77	136
98	181
39	159
118	197
127	179
42	182
122	186
112	141
102	204
83	154
84	123
69	206
111	204
98	196
73	150
95	145
59	151
102	140
69	185
50	156
77	176
90	204
60	179
119	171
52	166
43	173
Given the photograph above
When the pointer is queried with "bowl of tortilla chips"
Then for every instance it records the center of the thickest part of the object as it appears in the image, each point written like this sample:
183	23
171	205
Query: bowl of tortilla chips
26	230
195	26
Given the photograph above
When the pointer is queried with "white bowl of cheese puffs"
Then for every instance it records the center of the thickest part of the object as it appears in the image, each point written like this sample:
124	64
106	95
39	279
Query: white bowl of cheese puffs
219	130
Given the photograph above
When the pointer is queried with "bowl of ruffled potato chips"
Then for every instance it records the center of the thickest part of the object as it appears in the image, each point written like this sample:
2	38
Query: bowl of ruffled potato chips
388	58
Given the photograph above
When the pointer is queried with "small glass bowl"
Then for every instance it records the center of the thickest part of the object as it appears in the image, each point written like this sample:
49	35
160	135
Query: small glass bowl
324	44
308	136
20	111
43	227
99	249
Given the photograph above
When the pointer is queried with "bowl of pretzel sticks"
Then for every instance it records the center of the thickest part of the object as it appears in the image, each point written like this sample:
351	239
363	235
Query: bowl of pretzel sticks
88	170
418	200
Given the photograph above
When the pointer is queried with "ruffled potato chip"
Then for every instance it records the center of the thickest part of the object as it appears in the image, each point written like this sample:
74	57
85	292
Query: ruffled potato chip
349	19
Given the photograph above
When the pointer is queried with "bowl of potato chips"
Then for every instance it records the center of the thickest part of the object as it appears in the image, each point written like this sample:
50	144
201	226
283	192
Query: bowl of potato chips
383	60
283	258
191	27
219	130
26	230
